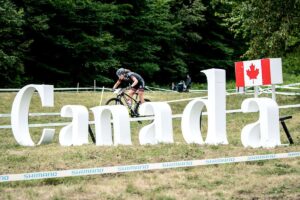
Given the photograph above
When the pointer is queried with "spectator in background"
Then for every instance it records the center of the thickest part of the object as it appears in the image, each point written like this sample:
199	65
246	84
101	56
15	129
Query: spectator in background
188	82
173	86
181	87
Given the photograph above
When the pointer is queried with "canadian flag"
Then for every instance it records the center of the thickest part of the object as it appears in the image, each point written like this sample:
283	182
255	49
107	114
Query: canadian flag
265	71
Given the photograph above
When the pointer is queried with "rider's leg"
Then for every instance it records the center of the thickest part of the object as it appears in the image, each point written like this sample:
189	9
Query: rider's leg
141	96
131	93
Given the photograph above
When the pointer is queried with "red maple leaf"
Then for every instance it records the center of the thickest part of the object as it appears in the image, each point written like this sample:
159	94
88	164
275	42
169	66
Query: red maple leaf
252	73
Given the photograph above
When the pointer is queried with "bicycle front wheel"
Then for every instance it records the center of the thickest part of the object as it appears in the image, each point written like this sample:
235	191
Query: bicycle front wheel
114	101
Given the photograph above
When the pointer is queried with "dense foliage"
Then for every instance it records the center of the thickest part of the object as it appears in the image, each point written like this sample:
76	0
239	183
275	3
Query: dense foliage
12	45
65	42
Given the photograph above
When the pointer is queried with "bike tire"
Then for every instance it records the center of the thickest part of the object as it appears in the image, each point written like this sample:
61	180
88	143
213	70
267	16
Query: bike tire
114	101
137	111
92	134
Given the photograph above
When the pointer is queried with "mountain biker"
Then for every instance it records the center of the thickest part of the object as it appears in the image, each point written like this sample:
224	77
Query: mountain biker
137	83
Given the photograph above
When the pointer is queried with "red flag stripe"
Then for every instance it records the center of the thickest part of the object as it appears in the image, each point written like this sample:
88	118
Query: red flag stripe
239	74
266	72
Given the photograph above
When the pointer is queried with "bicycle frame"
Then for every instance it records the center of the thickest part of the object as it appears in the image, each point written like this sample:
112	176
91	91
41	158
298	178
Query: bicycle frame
133	110
134	101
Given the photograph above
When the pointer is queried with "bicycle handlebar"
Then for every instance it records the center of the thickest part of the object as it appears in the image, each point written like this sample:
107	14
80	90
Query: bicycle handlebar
120	91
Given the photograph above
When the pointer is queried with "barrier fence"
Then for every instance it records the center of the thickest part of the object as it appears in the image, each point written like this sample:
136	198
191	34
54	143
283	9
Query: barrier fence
131	119
142	167
95	88
265	90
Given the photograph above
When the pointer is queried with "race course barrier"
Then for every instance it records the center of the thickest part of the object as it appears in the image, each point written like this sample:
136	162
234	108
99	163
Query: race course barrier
142	167
131	119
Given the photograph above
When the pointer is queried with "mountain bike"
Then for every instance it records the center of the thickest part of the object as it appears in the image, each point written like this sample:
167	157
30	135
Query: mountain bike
123	98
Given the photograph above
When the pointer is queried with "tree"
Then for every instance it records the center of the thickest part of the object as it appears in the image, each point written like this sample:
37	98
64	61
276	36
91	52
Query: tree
271	26
75	41
151	33
206	41
12	44
71	41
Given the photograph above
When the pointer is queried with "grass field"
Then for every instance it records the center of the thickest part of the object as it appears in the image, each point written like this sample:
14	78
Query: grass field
273	179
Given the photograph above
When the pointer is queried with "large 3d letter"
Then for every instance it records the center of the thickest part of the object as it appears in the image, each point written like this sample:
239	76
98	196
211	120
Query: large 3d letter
190	122
265	132
75	133
216	109
20	109
120	117
159	131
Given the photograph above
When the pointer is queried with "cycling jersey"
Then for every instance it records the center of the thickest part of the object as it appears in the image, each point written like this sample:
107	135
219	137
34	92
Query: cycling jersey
141	83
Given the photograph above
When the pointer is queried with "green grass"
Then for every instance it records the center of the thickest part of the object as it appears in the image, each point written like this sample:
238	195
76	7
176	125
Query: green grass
273	179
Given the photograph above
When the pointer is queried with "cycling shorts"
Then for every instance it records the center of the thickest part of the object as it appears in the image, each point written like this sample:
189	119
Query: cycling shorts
139	87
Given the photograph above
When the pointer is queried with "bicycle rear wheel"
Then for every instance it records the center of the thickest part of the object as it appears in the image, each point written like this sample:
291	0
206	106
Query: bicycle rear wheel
114	101
137	107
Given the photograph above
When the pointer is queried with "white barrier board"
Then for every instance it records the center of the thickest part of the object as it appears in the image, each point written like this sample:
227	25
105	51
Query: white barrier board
141	167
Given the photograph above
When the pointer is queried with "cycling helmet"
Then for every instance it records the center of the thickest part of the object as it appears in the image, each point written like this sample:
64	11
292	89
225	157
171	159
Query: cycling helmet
120	72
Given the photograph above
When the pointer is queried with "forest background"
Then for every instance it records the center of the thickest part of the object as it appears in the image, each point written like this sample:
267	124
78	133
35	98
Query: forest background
65	42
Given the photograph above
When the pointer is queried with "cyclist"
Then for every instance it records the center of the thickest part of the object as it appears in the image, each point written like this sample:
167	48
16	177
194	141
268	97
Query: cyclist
136	81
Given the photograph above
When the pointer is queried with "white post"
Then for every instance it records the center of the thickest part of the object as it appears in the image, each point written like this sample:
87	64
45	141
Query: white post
240	90
255	91
273	93
101	96
77	87
94	85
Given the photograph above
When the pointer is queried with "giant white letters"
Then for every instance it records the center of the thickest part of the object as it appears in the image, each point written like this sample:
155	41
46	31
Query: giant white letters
121	125
159	131
264	132
75	133
20	109
216	110
190	121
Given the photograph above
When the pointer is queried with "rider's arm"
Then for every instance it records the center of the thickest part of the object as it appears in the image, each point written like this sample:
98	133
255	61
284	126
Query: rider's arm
135	81
117	84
